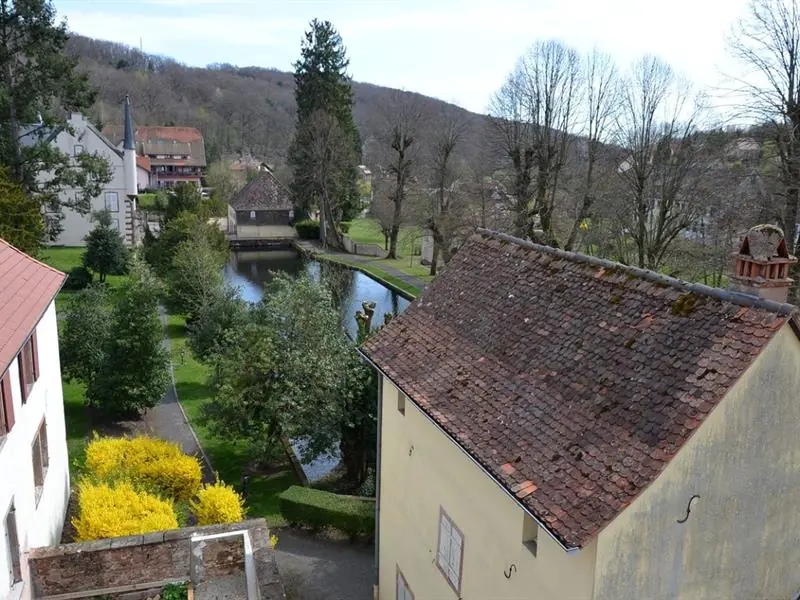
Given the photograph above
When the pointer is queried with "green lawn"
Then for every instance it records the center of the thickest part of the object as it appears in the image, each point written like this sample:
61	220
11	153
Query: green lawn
147	200
228	457
78	427
367	231
66	258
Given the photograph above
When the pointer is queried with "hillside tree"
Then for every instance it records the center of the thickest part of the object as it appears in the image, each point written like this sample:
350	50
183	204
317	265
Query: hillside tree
39	87
767	43
322	85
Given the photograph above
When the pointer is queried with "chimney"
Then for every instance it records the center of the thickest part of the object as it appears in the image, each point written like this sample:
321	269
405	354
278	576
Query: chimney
762	265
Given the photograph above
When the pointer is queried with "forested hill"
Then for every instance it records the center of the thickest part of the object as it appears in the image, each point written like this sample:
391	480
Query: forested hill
238	109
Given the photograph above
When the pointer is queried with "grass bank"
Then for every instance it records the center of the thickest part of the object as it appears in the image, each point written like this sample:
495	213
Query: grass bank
372	268
230	458
66	258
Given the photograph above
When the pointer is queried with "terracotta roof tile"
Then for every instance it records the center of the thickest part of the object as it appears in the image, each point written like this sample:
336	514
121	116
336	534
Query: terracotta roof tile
26	289
573	380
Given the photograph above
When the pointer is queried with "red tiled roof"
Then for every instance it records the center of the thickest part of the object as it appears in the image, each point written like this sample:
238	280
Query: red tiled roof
572	380
147	133
26	289
143	162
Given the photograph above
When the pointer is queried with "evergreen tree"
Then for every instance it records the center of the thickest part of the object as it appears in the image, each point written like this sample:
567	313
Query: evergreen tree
39	87
323	86
21	223
134	372
84	334
105	251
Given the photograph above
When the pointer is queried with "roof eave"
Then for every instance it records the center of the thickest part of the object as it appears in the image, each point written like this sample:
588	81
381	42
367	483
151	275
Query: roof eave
561	544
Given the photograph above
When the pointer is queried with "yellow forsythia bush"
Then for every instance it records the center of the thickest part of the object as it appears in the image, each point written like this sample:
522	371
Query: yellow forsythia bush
218	503
150	462
105	511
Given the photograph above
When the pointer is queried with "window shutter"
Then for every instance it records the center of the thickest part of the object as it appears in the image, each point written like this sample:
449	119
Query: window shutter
444	541
8	401
23	386
454	570
43	441
35	352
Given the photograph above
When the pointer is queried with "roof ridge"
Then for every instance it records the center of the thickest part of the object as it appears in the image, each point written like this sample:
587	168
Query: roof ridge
736	298
29	257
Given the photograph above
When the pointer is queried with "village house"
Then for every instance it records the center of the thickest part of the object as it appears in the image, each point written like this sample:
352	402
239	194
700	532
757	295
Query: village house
34	468
262	209
558	426
173	154
118	195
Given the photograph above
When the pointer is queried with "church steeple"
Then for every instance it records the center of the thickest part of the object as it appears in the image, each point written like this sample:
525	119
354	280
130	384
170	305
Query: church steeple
129	143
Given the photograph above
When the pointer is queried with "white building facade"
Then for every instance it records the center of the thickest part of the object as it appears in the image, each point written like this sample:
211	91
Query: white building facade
34	465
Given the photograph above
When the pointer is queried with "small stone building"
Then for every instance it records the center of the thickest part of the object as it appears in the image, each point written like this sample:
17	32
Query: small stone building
262	209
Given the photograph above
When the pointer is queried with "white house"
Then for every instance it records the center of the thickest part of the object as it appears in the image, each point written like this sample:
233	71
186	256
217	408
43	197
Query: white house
118	196
34	468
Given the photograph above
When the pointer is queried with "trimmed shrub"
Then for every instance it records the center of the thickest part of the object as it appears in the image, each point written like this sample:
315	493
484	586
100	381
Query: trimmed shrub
217	504
317	508
344	226
78	278
105	511
148	462
307	229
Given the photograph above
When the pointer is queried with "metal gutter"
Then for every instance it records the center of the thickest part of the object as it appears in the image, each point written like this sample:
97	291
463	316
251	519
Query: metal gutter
567	549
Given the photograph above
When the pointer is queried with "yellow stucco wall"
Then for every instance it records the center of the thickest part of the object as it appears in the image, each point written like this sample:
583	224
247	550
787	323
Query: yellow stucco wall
422	470
742	538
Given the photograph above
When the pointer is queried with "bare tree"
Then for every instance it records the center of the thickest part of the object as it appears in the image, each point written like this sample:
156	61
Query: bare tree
403	122
767	43
600	100
513	135
657	127
382	209
444	175
330	152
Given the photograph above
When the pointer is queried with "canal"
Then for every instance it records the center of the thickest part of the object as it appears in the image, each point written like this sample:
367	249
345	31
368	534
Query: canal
251	271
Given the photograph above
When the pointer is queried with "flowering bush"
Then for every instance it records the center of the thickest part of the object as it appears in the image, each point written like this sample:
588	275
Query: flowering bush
105	511
148	462
218	503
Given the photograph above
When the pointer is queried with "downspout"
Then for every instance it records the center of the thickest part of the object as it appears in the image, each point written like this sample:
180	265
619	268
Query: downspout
376	566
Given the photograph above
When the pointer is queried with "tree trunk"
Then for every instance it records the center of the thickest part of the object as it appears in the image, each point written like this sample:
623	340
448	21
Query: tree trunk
332	236
435	257
393	233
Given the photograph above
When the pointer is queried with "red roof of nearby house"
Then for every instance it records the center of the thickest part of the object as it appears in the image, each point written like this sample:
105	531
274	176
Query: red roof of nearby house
26	289
143	162
571	379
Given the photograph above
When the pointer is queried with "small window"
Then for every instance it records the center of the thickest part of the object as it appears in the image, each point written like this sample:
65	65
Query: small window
115	224
6	405
450	551
28	361
530	534
41	460
252	215
12	546
403	591
401	402
112	201
77	149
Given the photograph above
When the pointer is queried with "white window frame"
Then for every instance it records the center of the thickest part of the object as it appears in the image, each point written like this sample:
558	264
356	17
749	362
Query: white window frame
450	551
252	215
75	151
402	591
12	547
115	224
111	199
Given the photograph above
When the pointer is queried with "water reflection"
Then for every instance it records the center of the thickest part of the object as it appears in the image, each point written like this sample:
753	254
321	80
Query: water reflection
250	271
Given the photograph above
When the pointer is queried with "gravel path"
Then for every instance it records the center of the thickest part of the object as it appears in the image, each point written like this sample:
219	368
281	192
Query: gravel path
167	420
321	569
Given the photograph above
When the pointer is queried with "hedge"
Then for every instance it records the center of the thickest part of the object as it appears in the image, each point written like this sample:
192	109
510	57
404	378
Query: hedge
307	229
155	464
317	508
105	511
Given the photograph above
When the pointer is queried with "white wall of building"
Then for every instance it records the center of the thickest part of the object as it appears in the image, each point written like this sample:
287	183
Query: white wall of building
37	525
76	226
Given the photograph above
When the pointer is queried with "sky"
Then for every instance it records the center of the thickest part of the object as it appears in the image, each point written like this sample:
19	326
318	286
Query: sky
458	51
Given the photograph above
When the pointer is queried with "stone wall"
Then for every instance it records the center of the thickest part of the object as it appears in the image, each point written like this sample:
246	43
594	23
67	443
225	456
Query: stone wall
147	562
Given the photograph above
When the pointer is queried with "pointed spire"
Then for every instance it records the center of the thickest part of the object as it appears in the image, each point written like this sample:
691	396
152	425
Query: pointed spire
128	142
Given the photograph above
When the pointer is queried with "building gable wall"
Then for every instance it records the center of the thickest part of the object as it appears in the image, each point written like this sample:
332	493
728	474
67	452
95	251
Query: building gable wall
740	539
